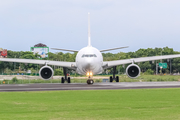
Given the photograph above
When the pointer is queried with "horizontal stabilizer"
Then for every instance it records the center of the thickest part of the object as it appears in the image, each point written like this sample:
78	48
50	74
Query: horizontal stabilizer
64	50
113	49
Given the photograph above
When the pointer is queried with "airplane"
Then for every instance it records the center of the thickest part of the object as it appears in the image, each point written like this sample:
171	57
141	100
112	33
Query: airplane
89	61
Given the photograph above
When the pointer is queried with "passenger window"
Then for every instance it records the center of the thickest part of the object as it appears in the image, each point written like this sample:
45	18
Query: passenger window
91	55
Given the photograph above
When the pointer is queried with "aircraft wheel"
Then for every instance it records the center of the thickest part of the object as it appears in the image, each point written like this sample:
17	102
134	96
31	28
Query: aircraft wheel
87	81
69	80
62	80
117	78
90	81
111	79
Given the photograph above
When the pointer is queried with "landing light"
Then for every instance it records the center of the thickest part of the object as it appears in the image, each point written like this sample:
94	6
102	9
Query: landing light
89	74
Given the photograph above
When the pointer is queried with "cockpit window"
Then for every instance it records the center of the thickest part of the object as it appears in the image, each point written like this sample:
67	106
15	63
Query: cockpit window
89	55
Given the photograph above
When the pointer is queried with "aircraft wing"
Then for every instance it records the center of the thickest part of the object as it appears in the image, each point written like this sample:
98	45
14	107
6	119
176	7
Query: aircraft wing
113	49
41	62
65	50
108	64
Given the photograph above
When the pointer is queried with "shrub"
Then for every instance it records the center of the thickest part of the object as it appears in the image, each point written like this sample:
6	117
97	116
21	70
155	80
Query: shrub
149	72
58	72
97	80
14	80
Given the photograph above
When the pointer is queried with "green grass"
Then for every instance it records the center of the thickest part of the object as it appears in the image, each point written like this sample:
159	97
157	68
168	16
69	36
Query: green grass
139	104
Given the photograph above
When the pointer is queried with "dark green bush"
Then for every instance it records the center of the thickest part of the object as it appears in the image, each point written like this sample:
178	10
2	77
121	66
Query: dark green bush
58	72
14	80
149	72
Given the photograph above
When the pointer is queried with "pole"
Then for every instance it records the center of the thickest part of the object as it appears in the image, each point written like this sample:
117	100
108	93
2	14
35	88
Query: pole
170	67
156	68
36	69
14	68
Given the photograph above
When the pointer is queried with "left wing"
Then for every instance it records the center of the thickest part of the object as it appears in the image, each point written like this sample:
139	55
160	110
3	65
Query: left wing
65	50
108	64
70	65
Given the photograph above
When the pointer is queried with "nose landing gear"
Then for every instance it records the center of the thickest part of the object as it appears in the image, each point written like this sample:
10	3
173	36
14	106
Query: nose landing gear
90	81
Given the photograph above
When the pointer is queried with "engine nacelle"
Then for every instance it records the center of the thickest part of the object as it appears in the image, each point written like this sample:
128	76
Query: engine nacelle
46	72
133	71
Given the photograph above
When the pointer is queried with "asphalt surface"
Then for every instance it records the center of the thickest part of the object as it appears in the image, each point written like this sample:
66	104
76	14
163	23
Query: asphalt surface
83	86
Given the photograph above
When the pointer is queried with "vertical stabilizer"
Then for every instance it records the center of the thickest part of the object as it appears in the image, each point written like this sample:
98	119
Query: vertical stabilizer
89	34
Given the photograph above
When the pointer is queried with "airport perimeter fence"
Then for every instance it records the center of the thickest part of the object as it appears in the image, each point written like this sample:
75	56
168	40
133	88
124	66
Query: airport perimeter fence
29	74
43	81
37	74
36	81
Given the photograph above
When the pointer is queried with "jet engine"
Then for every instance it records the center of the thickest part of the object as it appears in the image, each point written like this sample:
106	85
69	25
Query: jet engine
133	71
46	72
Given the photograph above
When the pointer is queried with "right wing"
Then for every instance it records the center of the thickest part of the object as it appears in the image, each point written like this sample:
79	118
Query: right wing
113	49
109	64
71	65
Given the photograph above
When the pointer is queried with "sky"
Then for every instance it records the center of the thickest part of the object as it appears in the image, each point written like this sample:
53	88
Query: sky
114	23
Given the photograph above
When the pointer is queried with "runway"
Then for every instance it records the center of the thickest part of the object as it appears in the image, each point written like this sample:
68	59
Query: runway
83	86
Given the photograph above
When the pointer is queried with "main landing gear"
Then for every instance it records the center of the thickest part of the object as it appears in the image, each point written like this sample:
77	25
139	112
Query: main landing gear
116	78
63	79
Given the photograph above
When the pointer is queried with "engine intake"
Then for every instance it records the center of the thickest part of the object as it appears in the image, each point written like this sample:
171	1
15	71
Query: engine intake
46	72
133	71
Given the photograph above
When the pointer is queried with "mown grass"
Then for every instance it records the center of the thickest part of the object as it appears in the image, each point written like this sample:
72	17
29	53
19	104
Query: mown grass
139	104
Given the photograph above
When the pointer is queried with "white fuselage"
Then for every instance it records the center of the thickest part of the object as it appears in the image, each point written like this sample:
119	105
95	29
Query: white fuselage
89	59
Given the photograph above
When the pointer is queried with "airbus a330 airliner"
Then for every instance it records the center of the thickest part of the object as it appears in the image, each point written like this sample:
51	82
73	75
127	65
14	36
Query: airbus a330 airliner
89	61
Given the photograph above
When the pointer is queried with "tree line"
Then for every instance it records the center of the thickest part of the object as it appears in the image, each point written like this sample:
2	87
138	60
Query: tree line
7	67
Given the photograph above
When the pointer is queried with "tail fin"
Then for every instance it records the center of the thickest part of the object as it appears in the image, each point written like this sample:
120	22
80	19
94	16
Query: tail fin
89	34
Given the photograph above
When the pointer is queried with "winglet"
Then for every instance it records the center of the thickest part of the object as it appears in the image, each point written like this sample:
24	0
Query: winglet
89	34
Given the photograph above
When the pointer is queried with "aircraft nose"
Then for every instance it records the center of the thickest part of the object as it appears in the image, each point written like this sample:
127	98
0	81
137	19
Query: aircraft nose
89	65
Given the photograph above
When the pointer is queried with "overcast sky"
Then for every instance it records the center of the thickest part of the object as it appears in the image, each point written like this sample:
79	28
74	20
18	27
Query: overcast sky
114	23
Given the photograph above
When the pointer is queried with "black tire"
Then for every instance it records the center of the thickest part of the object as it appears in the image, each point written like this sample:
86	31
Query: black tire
110	79
117	78
87	81
69	80
91	81
62	80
